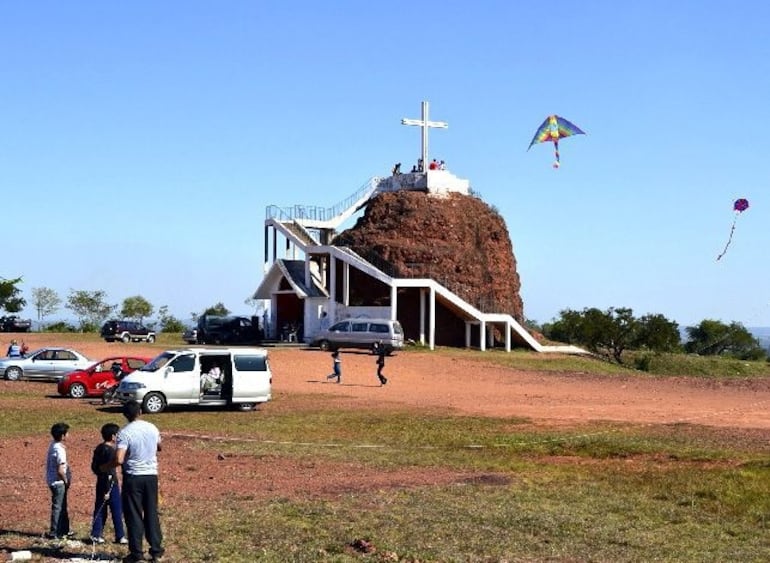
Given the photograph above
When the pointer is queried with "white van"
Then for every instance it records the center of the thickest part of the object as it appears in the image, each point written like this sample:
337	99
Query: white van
361	333
178	377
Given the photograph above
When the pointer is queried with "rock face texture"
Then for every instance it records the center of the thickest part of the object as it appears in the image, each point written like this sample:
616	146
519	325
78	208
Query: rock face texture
458	240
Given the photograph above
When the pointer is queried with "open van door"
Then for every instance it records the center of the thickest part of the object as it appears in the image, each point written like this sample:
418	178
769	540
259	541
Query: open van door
251	377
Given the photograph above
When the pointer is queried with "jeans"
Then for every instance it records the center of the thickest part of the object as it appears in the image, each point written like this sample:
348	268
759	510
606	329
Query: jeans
107	496
60	518
140	508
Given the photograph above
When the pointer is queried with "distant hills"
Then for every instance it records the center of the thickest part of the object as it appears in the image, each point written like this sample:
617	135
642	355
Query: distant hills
761	333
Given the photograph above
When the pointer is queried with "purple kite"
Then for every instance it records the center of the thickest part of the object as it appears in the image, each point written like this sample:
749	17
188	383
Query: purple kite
739	207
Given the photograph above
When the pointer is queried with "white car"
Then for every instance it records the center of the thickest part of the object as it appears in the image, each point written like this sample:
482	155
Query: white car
177	377
45	363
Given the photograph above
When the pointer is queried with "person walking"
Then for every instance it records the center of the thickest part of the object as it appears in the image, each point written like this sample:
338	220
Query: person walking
381	353
59	477
336	366
138	445
107	488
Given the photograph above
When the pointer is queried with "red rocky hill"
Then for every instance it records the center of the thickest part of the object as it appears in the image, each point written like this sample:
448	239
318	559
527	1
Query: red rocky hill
457	240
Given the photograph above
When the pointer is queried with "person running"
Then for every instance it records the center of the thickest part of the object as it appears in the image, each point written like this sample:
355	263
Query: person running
381	353
336	366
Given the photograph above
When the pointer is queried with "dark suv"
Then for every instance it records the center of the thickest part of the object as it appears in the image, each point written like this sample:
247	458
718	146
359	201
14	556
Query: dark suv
214	329
126	331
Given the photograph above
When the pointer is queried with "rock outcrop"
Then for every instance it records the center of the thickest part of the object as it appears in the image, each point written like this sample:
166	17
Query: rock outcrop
457	240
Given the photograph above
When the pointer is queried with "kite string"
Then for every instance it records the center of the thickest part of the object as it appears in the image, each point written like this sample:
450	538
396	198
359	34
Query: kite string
729	240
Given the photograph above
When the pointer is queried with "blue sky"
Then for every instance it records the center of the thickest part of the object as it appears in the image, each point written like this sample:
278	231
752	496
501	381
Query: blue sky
140	142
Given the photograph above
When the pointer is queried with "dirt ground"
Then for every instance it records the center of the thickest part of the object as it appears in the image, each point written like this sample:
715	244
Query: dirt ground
415	380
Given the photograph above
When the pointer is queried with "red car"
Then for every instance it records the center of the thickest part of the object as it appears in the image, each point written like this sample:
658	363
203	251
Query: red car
91	382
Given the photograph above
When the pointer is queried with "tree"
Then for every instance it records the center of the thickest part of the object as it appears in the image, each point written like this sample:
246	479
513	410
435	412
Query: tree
90	307
168	322
608	333
10	295
136	307
658	334
46	301
217	310
612	332
714	338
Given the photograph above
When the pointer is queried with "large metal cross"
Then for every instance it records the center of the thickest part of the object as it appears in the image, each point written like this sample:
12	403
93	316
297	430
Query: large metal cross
425	124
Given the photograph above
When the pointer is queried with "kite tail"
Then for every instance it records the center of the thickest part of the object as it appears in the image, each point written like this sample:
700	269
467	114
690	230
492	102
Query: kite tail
556	162
729	240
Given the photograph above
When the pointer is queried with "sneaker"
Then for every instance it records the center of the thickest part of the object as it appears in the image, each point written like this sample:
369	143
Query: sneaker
51	536
123	540
96	540
383	381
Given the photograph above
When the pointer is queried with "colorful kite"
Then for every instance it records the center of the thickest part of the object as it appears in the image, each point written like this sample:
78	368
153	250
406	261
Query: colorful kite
553	129
739	207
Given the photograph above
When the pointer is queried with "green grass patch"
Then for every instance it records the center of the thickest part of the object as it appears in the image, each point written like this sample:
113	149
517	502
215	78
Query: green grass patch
634	362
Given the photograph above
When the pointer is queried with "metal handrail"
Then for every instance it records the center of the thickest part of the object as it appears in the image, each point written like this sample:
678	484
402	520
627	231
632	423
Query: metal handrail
318	213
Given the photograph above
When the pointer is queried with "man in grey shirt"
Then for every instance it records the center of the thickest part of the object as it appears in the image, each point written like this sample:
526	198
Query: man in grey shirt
137	446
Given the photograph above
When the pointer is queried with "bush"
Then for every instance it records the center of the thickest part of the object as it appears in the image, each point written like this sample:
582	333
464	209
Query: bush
643	362
60	326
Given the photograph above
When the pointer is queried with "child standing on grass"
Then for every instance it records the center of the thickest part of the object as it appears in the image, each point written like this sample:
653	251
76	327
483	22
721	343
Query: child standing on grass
337	366
59	477
107	488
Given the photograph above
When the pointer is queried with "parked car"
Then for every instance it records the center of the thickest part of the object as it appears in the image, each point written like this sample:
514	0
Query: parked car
190	336
92	381
45	363
361	333
14	323
126	331
176	377
214	329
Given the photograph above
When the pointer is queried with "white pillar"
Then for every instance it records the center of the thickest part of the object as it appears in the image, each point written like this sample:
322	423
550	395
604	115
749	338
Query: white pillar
346	284
393	303
432	319
332	289
483	335
507	336
468	334
423	295
275	244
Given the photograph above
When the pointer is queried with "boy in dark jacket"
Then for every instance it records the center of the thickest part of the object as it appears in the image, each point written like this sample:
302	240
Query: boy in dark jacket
107	488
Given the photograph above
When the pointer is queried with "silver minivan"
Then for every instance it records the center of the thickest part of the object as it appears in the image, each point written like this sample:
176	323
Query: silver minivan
176	377
361	333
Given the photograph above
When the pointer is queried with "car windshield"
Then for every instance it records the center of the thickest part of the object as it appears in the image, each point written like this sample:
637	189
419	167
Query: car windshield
158	362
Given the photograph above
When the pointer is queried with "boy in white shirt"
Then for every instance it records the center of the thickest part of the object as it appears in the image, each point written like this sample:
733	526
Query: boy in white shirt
59	477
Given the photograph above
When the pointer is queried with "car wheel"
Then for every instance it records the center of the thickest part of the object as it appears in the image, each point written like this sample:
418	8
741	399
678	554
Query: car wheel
13	373
153	403
324	345
126	338
77	391
245	407
150	339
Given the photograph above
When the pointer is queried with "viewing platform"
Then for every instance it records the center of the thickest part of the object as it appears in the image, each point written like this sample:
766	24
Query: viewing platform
438	182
